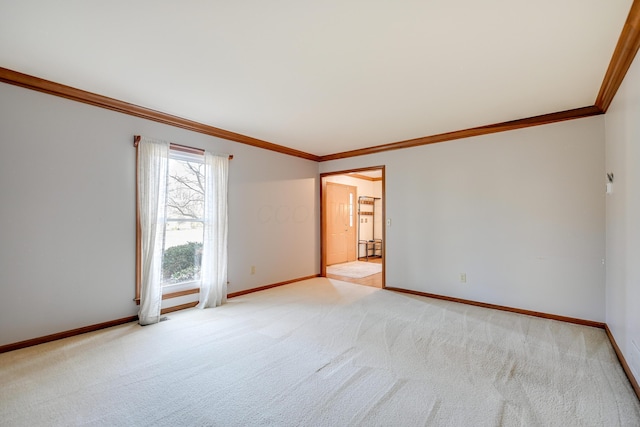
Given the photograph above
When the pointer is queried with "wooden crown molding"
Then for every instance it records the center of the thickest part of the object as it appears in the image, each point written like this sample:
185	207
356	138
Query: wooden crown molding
68	92
467	133
625	52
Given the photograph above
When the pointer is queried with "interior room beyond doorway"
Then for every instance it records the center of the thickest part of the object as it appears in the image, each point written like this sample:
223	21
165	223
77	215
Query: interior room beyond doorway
353	226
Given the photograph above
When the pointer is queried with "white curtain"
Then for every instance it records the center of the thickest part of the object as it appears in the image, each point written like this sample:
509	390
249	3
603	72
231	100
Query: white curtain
213	274
153	161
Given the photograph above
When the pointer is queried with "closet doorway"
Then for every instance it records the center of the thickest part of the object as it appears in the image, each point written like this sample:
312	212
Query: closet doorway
353	226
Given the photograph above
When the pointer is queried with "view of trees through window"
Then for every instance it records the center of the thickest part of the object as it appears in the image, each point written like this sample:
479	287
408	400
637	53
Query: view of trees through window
183	235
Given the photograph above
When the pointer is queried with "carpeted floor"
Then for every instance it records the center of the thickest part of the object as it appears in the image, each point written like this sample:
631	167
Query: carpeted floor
323	353
355	269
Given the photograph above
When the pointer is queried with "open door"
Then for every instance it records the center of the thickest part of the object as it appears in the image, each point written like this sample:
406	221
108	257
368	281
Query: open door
341	234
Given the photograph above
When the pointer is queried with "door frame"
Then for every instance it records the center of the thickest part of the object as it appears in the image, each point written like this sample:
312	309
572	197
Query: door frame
323	219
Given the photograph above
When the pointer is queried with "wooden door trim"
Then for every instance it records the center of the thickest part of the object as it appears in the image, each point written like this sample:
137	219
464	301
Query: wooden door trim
323	218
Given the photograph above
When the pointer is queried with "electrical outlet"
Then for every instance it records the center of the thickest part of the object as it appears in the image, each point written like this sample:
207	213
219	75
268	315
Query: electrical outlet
463	277
253	269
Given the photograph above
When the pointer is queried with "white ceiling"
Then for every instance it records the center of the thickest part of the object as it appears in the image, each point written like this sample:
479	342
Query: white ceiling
323	76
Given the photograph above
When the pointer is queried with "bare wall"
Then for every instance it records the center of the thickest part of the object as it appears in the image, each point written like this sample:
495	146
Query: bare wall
622	123
521	213
67	209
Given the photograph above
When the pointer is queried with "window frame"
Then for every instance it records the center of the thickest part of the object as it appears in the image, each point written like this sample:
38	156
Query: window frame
178	289
178	155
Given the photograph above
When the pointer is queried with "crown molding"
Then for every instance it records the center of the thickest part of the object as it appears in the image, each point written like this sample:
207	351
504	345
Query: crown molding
623	55
467	133
68	92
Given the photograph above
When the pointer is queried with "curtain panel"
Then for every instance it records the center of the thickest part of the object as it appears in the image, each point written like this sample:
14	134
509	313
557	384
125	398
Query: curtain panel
152	170
213	287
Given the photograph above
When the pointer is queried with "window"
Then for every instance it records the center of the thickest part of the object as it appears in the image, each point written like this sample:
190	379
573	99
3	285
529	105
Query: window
184	223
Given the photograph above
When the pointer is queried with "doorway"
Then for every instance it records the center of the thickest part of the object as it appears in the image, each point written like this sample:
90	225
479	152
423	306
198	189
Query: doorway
353	240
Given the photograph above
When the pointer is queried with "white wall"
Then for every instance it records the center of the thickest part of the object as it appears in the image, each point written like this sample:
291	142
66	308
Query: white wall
622	123
67	211
520	212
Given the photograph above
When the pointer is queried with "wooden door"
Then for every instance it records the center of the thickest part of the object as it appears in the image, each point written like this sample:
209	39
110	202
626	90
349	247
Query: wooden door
341	223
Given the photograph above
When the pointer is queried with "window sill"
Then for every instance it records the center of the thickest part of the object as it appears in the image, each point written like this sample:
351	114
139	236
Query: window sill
175	294
180	293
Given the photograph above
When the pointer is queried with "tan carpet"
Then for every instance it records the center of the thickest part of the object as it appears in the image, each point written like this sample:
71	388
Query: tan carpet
323	353
355	269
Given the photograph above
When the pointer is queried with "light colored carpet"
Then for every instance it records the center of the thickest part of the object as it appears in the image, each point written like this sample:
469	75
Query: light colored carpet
323	353
355	269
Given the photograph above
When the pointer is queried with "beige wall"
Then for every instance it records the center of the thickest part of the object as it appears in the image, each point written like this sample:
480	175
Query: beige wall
67	209
520	212
623	217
